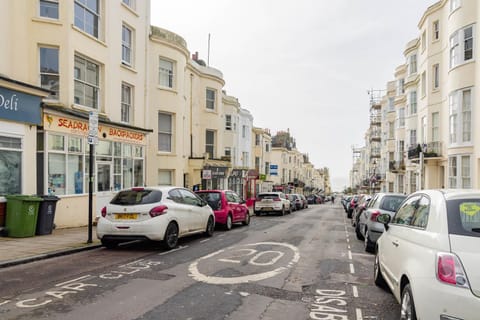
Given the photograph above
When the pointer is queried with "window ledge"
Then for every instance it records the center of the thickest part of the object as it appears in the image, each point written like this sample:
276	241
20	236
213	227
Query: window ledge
132	10
89	36
461	64
47	20
166	154
159	87
128	67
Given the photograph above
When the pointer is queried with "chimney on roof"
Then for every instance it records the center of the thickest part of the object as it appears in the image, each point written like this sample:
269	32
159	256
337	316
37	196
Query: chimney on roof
195	56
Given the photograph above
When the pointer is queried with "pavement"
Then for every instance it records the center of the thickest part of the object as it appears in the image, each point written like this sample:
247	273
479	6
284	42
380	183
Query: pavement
15	251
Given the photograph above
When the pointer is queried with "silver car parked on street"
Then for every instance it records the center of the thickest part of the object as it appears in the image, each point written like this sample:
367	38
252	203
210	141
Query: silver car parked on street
367	228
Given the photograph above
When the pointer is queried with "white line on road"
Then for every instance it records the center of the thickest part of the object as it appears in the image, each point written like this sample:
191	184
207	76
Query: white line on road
352	269
359	314
167	252
70	281
4	302
355	291
349	254
205	240
348	240
364	254
348	247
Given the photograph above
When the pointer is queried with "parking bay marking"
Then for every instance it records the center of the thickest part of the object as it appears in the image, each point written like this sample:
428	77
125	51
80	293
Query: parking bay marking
255	259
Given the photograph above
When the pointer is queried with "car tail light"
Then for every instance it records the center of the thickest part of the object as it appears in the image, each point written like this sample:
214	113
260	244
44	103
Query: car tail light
138	189
450	270
158	211
104	212
374	215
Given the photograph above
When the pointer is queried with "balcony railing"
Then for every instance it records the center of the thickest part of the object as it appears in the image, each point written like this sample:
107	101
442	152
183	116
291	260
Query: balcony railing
396	166
430	150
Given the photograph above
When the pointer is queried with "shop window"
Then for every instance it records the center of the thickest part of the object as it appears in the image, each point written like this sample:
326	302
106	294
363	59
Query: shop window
10	165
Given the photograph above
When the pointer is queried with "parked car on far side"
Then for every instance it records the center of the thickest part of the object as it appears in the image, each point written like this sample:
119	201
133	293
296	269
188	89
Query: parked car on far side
227	205
429	256
363	201
296	201
304	201
159	213
272	202
368	229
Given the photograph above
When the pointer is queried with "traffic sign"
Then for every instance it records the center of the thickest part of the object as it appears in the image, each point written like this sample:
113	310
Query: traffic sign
93	124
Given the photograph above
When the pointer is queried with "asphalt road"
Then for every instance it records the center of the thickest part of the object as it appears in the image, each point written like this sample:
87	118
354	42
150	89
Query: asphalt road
307	265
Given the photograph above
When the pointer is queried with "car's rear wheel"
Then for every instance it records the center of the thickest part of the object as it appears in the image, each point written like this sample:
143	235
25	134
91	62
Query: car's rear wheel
283	211
246	222
228	225
377	273
407	311
210	227
170	239
109	244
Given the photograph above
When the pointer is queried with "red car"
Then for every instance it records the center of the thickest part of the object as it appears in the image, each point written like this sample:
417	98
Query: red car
228	207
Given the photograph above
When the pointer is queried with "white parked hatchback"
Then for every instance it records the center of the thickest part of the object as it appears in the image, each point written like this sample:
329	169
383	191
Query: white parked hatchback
162	213
429	255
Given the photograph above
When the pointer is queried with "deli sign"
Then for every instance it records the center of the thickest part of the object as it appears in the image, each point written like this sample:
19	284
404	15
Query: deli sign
20	107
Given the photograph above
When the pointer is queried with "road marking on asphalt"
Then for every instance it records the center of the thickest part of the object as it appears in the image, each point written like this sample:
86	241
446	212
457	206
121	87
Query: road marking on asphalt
348	246
364	254
352	269
70	281
349	254
348	240
240	255
173	250
5	302
355	291
359	314
205	240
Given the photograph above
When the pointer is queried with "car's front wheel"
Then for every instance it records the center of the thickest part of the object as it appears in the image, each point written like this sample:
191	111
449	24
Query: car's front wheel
210	227
367	242
170	239
407	311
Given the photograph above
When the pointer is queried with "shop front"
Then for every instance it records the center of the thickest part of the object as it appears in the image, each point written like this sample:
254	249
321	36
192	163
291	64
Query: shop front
236	181
214	177
20	113
63	163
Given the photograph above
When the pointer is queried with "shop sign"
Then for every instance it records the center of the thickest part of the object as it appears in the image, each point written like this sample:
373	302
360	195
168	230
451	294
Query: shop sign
81	127
206	174
237	173
274	170
217	172
20	107
252	174
263	177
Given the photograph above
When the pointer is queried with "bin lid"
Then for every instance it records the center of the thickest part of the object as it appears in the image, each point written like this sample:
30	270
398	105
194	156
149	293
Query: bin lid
49	197
22	197
2	199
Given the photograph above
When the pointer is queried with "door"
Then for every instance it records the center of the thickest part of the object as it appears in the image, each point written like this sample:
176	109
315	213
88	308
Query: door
104	185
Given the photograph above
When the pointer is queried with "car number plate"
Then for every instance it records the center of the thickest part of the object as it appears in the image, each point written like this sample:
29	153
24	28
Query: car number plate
267	209
126	216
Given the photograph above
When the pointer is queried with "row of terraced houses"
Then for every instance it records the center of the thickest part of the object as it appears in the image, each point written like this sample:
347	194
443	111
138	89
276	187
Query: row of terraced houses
163	116
423	129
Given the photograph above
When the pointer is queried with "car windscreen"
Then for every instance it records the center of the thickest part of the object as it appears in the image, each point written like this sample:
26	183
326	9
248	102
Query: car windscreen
133	197
212	198
391	203
464	217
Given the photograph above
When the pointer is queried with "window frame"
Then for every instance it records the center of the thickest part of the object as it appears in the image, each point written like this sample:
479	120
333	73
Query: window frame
458	114
55	4
436	76
127	45
459	175
165	133
126	107
96	14
210	103
210	146
436	30
55	96
228	122
457	45
166	76
84	82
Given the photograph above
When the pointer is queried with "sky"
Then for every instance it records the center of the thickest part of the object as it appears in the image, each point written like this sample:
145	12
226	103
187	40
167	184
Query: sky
301	65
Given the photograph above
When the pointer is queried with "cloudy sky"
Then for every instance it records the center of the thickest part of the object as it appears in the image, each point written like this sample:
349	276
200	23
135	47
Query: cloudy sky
302	65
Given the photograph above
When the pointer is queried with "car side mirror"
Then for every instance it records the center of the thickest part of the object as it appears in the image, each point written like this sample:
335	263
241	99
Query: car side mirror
384	219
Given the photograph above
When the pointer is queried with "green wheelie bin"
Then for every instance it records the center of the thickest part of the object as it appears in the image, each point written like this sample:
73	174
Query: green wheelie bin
22	213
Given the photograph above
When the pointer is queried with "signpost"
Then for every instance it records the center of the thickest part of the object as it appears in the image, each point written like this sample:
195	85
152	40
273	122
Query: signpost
92	140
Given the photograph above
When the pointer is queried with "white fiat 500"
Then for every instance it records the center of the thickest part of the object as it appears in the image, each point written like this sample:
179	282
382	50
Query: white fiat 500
429	255
162	213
